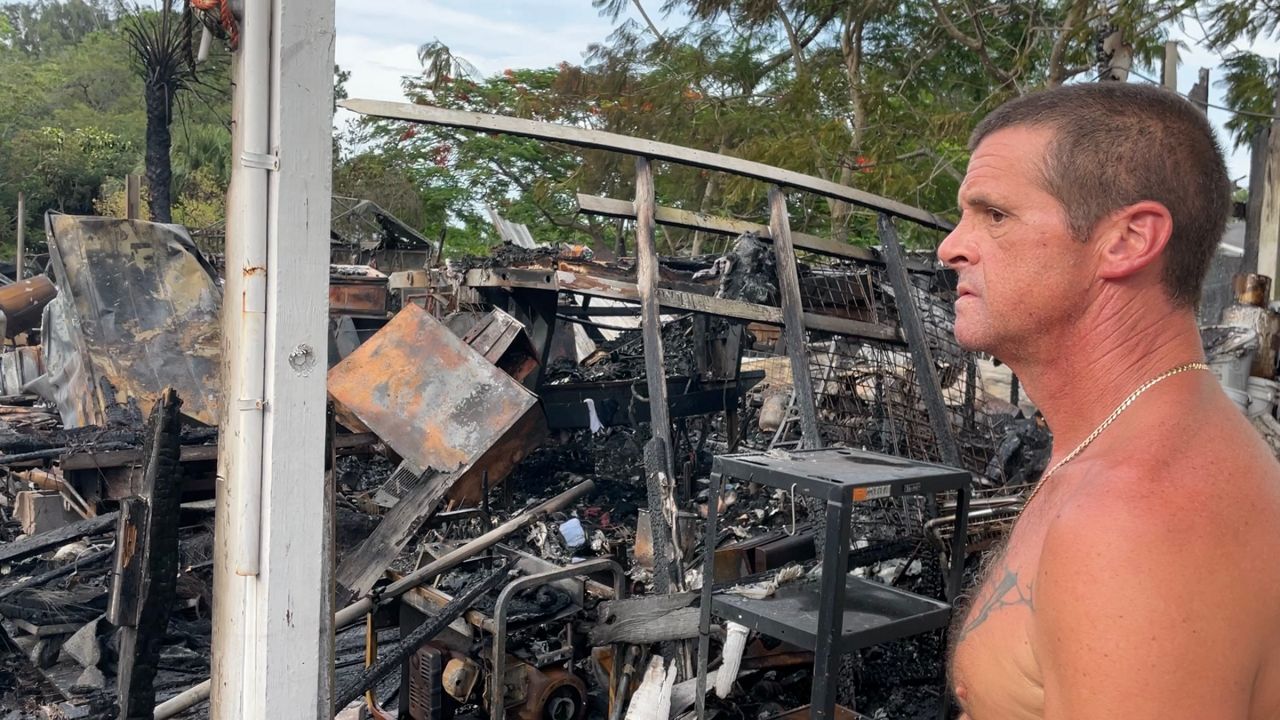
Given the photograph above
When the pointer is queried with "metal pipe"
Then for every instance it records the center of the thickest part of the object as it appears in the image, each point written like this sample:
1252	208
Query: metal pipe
247	285
421	634
358	609
20	260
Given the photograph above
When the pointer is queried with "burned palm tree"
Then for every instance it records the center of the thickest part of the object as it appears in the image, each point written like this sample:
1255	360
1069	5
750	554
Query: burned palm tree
161	40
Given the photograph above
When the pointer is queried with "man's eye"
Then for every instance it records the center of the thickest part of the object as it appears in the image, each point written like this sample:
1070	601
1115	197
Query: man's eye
995	216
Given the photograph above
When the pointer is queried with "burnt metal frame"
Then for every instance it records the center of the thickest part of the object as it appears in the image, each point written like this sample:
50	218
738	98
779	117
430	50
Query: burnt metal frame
645	211
497	679
794	320
830	641
921	358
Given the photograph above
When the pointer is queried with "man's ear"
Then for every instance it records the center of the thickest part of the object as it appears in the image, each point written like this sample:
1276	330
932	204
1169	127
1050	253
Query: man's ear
1132	238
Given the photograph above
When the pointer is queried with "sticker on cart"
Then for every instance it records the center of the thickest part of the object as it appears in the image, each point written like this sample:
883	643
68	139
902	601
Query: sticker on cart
870	493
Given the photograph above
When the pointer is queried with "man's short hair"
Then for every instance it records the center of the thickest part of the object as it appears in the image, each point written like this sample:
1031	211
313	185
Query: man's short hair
1115	144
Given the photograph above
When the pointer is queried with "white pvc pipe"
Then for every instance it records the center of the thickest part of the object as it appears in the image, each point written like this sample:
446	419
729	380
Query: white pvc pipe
652	700
206	43
247	226
734	646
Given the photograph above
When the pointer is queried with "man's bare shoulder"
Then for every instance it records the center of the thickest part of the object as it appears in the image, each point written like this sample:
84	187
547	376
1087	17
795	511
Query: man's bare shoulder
1194	491
1178	530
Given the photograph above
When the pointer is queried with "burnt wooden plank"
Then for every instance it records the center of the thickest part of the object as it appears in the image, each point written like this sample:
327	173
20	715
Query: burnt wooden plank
366	564
36	544
671	299
691	220
144	586
643	148
190	453
647	619
794	325
657	452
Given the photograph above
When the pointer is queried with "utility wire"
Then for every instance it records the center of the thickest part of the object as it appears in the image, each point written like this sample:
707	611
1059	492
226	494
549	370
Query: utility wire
1249	113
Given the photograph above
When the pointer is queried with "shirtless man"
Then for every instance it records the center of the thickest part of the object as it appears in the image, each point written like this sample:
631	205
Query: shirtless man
1142	580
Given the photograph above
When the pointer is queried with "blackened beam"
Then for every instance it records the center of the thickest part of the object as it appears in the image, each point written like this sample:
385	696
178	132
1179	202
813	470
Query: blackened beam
36	544
917	343
549	132
678	300
145	580
794	321
616	404
691	220
190	453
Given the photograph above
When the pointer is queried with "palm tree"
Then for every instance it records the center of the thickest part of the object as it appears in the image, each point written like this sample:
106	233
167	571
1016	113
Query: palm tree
161	40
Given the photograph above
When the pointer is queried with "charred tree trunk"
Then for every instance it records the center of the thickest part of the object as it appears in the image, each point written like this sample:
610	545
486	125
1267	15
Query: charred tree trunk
159	98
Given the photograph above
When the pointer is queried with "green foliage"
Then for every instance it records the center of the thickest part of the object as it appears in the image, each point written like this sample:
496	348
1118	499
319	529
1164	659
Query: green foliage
64	169
74	119
1250	82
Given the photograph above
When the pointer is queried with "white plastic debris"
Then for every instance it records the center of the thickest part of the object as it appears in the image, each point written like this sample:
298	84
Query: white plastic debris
734	645
573	534
766	588
652	700
592	418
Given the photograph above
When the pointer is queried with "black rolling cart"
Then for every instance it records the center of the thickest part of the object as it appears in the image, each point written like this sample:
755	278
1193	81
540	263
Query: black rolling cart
839	613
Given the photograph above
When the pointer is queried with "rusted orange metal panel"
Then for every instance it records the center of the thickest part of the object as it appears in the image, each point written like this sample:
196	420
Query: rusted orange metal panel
436	401
357	290
22	303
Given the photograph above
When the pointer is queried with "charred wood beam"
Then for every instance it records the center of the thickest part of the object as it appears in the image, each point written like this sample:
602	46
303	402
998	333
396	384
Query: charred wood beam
794	324
648	619
658	466
51	453
76	459
643	148
617	404
58	572
691	220
146	573
921	358
361	569
576	280
36	544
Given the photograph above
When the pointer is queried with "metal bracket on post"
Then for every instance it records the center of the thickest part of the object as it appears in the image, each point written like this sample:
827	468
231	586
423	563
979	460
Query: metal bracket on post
260	161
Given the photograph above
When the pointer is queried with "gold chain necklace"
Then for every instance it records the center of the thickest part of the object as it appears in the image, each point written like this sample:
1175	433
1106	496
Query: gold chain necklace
1110	419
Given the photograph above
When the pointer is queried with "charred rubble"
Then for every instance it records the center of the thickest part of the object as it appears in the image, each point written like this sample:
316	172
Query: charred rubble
552	499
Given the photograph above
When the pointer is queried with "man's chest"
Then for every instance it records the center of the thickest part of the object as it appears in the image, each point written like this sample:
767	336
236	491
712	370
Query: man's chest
993	665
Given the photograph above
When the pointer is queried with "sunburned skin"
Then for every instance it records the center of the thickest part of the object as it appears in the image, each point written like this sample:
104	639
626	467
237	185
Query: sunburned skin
1140	583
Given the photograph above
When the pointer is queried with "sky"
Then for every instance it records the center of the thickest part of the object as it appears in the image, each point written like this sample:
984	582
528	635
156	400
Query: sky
378	42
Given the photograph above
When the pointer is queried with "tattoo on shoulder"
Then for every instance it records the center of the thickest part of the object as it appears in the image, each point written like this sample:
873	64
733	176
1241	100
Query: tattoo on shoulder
1008	592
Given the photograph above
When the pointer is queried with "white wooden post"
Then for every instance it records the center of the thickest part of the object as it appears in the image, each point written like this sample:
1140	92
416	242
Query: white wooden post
273	615
1269	219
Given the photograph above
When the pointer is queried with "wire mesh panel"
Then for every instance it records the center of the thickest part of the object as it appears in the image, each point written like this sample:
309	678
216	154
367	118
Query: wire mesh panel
867	392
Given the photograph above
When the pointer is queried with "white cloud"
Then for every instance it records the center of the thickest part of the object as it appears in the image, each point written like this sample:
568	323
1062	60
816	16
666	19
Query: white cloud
378	41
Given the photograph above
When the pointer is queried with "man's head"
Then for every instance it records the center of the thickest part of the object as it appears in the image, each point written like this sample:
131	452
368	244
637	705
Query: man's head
1131	175
1116	144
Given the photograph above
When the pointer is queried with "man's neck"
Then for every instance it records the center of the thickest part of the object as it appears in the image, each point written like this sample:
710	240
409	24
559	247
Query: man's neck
1078	380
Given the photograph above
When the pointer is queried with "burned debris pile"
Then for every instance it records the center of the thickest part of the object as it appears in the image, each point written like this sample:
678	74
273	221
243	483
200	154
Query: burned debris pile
515	535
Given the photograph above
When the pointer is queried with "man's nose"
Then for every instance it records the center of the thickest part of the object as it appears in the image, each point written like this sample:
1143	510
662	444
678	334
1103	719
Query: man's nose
956	249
